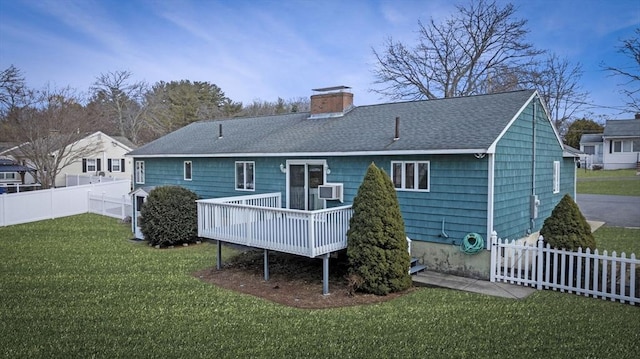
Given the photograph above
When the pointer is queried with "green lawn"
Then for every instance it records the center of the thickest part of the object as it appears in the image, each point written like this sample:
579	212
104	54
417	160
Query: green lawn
76	287
618	239
613	182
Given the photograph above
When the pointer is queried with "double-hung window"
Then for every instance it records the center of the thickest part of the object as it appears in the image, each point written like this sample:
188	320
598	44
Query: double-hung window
187	170
140	172
410	175
115	164
245	176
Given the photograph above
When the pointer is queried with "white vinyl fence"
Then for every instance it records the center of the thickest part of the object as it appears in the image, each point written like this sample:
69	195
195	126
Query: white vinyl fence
116	207
594	274
79	180
16	208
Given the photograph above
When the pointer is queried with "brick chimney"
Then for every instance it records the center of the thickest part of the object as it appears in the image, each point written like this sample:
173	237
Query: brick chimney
637	115
332	102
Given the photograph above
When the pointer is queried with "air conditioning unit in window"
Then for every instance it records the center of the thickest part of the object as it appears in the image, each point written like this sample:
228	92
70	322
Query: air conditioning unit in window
330	191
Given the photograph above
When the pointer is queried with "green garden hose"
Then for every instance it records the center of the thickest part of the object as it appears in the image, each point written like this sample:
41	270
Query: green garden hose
472	243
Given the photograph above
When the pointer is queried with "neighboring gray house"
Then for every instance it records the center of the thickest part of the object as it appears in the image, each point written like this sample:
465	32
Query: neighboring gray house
617	147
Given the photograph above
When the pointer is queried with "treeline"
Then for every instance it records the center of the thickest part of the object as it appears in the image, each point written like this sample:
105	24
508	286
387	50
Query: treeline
118	105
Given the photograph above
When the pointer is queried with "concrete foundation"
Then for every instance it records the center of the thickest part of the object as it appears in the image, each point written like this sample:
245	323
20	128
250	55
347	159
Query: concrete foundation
447	258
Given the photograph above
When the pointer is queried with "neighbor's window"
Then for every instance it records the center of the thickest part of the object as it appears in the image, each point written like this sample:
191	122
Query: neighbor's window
7	176
590	150
245	176
556	176
187	170
115	165
410	175
140	172
91	165
622	146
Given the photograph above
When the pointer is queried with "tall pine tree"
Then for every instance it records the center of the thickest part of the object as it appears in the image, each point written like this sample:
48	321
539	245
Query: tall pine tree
377	246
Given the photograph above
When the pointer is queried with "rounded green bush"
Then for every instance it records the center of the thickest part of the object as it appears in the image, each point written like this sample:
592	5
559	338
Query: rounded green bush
170	216
377	246
567	228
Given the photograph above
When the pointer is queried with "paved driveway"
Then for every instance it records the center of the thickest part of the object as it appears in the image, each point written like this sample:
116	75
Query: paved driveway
615	211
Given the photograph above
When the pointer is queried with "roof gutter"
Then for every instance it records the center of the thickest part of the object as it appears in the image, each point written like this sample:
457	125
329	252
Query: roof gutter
316	154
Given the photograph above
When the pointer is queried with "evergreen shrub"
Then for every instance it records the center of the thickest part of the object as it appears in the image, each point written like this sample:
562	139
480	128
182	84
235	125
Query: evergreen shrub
567	228
170	216
377	248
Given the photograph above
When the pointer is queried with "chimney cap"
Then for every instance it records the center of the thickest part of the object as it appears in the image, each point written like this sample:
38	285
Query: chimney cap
332	88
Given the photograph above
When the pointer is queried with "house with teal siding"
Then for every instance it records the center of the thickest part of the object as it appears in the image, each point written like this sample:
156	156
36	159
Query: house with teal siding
462	167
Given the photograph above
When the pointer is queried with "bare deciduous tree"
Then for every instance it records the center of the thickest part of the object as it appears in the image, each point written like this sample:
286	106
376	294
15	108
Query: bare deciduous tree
49	130
457	57
558	83
262	108
631	75
123	101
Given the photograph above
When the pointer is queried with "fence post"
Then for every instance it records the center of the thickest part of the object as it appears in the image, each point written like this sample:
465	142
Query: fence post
540	259
494	256
122	207
89	201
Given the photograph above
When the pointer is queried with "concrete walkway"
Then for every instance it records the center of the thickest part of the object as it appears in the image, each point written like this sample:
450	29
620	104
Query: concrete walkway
504	290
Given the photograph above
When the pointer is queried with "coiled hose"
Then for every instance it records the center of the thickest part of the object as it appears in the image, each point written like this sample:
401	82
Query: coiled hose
472	243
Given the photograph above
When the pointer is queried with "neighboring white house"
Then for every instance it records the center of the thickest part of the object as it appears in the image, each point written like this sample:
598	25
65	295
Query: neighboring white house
617	147
106	159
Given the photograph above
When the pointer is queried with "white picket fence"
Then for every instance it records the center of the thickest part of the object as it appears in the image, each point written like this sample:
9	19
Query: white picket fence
25	207
594	274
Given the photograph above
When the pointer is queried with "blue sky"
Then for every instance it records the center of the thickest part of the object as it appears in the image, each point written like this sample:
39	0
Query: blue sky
269	49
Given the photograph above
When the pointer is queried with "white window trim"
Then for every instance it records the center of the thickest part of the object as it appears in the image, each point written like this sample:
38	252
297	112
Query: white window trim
140	172
416	175
184	169
622	149
115	162
244	169
4	176
556	176
92	165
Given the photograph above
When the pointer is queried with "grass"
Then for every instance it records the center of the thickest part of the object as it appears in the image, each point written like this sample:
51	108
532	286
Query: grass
76	287
611	182
618	239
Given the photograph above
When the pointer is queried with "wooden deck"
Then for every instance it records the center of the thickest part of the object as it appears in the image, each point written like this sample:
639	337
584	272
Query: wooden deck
257	221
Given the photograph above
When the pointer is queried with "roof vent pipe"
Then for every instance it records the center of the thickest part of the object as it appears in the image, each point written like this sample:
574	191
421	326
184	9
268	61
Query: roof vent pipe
397	136
220	131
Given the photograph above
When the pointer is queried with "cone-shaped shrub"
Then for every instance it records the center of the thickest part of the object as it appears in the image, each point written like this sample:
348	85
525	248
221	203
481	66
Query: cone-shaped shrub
170	216
377	245
567	228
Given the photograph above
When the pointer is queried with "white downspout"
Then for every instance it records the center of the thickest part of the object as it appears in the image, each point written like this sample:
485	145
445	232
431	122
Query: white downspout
490	196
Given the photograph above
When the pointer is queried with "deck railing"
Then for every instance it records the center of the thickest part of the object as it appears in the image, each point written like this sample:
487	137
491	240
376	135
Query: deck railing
256	221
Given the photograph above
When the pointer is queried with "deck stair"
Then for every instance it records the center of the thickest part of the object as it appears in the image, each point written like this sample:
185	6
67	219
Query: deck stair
415	266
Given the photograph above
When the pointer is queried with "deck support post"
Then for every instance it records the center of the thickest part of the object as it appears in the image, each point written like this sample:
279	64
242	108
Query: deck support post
219	255
266	265
325	274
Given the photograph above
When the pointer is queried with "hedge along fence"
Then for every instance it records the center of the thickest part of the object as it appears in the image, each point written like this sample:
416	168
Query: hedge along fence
589	273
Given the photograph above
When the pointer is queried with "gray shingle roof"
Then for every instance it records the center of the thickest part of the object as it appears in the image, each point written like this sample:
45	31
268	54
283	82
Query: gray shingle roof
457	124
622	128
591	138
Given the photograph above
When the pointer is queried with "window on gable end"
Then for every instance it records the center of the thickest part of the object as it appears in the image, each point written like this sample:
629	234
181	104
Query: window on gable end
139	174
556	176
187	170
